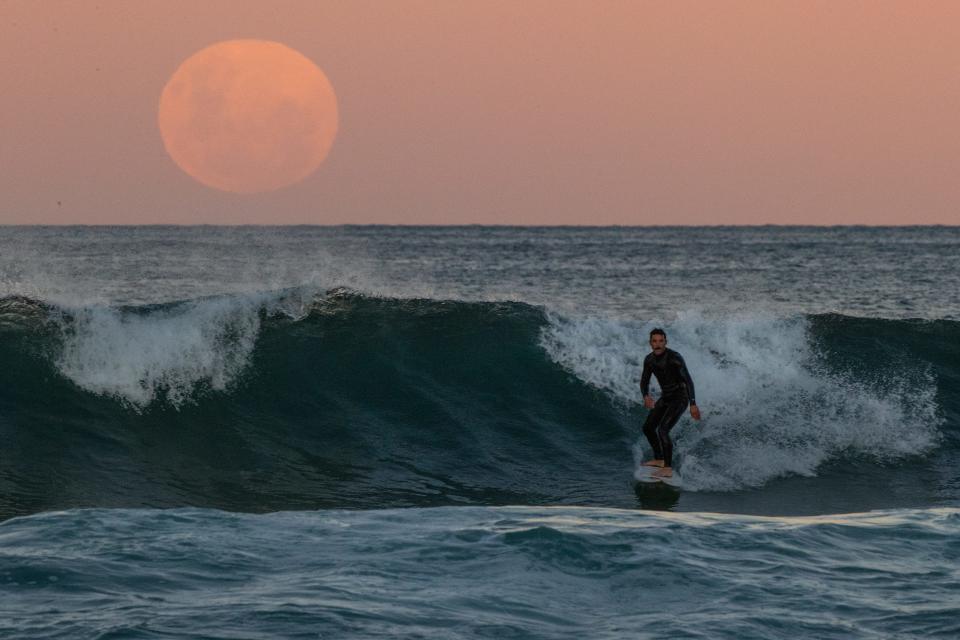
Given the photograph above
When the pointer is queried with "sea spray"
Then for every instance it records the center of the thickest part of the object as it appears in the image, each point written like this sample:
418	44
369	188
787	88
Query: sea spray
771	404
139	354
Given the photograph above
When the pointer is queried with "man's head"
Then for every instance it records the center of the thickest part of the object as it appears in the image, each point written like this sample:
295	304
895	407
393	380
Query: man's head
658	341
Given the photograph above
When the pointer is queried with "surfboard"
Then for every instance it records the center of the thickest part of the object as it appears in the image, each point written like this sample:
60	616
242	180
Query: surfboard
645	475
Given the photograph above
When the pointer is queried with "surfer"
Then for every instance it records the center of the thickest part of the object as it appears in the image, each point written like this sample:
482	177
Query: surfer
677	392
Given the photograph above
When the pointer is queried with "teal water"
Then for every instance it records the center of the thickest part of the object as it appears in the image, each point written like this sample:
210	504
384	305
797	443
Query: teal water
364	402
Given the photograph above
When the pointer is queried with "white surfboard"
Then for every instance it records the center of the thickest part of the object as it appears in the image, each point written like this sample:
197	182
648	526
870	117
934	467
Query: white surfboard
645	475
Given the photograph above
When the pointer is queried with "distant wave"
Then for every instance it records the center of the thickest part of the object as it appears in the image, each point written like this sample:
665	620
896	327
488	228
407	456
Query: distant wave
280	400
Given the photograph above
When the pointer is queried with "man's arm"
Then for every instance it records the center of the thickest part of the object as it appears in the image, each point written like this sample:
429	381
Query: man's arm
645	383
645	377
691	392
687	380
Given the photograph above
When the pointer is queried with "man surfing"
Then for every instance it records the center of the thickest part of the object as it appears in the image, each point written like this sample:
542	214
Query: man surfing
677	392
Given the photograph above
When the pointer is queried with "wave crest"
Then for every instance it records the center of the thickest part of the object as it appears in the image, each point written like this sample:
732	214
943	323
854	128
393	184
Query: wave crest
772	404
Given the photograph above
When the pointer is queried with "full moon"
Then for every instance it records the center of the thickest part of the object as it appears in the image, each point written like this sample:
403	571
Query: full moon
248	116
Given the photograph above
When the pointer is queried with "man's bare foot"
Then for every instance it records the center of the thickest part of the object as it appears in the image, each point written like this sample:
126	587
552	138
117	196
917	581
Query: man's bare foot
665	472
653	463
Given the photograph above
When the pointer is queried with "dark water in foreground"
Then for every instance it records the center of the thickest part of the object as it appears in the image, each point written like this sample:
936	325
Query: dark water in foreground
432	432
479	572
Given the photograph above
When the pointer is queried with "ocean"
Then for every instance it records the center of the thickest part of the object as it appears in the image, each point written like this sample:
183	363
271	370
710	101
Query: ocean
433	432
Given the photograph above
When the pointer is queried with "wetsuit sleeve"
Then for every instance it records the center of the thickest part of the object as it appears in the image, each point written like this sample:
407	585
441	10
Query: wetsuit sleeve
645	377
687	380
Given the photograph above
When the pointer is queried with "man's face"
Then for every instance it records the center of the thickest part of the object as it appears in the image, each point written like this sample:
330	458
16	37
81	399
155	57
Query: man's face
658	343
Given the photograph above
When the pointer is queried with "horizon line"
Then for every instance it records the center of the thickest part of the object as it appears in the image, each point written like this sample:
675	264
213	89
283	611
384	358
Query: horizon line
492	225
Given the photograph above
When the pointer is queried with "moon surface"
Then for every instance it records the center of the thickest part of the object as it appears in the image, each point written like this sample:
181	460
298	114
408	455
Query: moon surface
248	116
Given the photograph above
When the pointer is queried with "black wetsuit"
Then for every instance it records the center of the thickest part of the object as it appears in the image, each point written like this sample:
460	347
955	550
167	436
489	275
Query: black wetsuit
677	387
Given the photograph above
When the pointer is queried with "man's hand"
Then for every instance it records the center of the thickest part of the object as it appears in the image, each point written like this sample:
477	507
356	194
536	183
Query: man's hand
648	402
694	412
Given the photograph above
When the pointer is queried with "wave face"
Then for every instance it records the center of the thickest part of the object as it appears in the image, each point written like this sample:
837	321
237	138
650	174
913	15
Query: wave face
283	400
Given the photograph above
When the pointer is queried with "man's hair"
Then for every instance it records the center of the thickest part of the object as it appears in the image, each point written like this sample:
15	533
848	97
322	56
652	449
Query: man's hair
658	332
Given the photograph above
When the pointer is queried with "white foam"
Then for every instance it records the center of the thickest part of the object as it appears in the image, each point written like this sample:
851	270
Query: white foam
134	356
771	406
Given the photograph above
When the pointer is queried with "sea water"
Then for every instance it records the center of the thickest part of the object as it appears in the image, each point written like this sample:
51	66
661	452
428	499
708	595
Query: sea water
432	432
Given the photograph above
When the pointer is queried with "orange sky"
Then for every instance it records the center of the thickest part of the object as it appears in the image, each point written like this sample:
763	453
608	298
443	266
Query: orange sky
513	112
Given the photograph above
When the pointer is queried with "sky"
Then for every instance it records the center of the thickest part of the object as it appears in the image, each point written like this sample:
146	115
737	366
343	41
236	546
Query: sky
506	112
